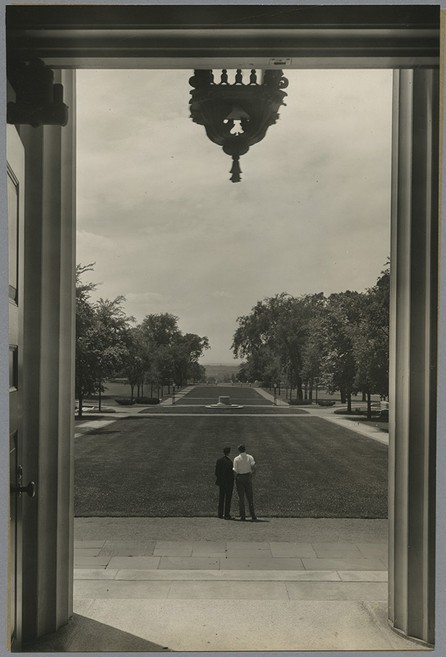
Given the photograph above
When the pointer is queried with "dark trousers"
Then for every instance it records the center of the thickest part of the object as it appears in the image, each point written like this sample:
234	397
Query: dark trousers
224	499
244	487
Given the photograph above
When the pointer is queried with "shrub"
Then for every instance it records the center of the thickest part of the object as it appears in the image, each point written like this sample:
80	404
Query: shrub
147	400
326	402
300	402
125	401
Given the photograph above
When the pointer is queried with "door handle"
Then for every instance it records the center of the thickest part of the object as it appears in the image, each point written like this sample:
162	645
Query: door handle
30	489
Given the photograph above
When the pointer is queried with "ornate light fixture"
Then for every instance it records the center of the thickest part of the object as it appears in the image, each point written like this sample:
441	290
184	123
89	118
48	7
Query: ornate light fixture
236	116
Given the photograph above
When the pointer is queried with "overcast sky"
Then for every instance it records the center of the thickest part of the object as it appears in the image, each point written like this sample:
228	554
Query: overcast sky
169	231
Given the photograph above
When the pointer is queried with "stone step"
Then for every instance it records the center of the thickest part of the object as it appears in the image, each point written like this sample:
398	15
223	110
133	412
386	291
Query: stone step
229	590
232	575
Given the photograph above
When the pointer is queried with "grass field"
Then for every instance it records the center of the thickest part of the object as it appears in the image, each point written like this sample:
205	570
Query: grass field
163	465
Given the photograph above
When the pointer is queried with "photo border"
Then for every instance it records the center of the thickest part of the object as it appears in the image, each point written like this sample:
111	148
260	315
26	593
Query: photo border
440	642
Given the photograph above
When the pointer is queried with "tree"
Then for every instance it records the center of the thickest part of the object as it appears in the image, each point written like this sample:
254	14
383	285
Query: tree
186	351
84	368
109	339
371	341
173	355
340	341
197	373
159	333
243	373
101	338
273	336
315	346
136	360
160	329
341	325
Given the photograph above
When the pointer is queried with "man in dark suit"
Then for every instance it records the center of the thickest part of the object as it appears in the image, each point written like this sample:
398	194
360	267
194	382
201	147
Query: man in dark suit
225	482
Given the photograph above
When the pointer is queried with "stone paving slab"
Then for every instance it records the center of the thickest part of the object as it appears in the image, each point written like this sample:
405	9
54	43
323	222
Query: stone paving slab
220	590
174	550
94	573
134	562
168	545
249	550
344	564
141	550
100	589
373	549
361	591
337	550
89	562
88	552
235	556
196	625
89	544
248	545
303	584
129	549
363	575
224	575
234	575
189	563
283	549
235	548
262	563
208	548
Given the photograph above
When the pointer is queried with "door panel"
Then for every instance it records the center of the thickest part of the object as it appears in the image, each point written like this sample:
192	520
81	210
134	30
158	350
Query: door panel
16	175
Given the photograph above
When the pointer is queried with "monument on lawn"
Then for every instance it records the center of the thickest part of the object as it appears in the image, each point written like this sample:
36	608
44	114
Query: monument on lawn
223	402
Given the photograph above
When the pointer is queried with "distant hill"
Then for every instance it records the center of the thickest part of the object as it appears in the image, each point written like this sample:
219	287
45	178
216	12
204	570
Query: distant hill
221	373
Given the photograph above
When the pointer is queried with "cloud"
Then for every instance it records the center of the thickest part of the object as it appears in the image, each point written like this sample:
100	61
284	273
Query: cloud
136	297
221	294
167	229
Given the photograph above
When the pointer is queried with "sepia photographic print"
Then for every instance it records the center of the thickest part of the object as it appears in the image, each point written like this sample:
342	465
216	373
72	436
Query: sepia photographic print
223	256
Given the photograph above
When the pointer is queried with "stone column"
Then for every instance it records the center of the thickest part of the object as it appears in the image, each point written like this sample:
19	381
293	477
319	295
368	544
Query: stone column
48	389
413	348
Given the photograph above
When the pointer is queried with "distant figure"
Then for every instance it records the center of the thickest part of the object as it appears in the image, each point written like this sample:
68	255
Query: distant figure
244	467
225	481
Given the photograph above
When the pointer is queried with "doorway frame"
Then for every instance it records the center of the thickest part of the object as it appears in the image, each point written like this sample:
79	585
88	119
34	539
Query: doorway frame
407	40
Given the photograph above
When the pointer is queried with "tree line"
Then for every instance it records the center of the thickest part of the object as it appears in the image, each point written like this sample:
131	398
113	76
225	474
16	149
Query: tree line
109	344
339	342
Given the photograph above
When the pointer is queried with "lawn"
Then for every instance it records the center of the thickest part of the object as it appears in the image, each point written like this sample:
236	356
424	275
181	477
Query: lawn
163	465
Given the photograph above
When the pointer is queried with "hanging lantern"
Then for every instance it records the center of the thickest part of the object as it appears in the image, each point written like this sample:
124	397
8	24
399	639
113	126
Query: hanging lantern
236	116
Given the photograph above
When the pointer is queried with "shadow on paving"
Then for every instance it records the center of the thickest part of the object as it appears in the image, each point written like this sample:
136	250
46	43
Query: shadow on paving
82	634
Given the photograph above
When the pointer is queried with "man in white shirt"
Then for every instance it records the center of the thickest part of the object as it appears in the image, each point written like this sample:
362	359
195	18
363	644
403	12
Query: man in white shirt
244	467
